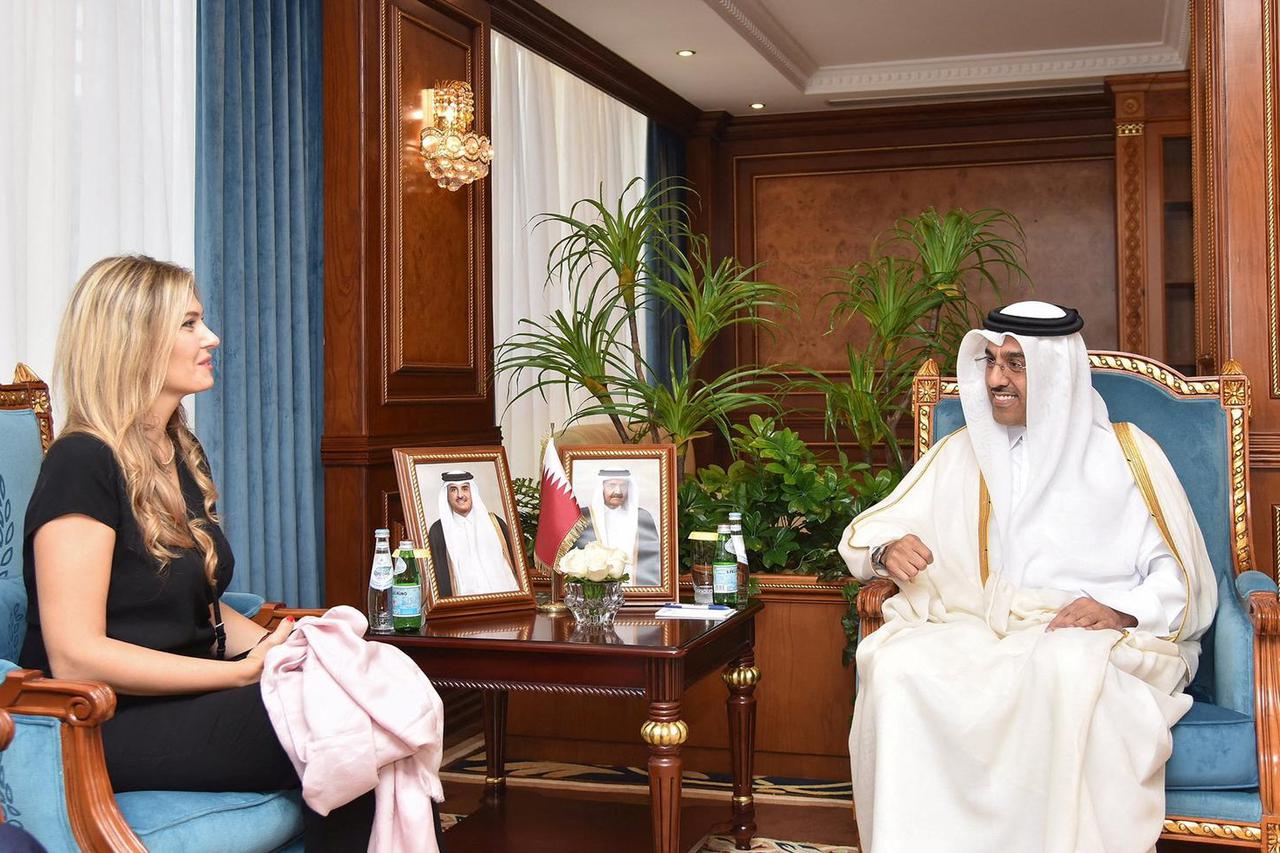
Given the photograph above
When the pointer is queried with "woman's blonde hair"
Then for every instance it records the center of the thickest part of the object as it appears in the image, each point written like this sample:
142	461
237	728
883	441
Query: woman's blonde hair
112	357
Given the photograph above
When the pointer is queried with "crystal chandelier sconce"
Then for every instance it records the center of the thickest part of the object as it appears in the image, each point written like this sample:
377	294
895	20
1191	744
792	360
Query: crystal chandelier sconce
453	154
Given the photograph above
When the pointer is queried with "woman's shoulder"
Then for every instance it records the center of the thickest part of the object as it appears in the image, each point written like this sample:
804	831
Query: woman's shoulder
76	449
80	475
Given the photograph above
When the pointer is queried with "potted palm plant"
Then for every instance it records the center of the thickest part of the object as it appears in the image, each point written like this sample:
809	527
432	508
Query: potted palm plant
606	261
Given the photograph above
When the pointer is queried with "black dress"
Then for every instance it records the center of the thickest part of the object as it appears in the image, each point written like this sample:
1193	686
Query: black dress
218	741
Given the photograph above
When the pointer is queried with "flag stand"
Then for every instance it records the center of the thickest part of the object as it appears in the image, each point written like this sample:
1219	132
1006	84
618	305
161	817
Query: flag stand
547	453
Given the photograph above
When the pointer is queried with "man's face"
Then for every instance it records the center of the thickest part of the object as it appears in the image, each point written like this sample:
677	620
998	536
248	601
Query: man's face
1007	382
460	498
615	493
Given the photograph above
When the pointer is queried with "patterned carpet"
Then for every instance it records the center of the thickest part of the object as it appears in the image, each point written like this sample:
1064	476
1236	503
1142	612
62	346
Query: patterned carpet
466	764
723	843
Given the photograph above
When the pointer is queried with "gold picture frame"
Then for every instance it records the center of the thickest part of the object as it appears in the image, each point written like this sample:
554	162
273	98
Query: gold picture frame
450	588
655	475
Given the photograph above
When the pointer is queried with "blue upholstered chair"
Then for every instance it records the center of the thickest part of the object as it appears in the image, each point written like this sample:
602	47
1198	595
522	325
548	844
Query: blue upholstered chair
1223	781
53	781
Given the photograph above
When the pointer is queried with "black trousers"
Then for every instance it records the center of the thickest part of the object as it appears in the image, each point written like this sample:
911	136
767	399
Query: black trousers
220	741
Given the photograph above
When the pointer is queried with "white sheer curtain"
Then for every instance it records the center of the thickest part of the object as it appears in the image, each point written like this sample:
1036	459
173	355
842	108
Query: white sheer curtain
556	140
97	152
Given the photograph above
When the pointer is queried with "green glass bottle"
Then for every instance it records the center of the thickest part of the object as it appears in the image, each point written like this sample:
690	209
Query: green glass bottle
406	591
724	568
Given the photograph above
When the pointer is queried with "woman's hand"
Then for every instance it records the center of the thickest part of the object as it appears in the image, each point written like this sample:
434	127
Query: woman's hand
252	662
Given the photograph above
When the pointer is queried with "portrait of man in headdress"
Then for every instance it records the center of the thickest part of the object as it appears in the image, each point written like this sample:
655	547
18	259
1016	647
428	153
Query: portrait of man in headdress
615	518
470	546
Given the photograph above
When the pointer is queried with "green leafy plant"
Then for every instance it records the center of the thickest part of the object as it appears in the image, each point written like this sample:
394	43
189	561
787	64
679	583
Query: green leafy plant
604	266
528	504
793	506
915	295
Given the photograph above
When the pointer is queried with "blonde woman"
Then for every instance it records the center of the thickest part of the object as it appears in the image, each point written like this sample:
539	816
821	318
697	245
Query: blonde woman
124	559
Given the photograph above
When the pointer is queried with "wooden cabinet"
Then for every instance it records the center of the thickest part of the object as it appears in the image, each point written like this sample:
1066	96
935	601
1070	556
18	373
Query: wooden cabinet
1160	312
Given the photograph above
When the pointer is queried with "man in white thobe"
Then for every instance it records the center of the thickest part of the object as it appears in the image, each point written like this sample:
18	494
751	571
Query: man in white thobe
1053	586
616	519
470	546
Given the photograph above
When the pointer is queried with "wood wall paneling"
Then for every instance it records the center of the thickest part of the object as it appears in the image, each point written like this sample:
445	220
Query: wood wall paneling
807	193
1233	72
1149	109
407	282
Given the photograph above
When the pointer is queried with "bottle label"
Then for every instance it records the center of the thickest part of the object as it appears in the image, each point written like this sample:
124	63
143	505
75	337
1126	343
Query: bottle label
380	577
399	566
739	548
724	578
406	601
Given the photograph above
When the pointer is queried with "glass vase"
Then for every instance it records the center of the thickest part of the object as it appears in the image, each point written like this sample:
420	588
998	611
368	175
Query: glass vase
593	602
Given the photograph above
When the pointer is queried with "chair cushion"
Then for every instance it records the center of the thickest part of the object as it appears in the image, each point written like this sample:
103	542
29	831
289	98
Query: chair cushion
19	468
1218	806
195	822
1214	748
247	604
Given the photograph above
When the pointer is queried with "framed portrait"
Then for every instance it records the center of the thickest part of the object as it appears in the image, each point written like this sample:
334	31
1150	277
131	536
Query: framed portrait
459	506
627	493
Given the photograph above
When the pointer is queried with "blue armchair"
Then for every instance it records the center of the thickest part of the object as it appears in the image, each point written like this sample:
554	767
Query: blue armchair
53	780
1223	781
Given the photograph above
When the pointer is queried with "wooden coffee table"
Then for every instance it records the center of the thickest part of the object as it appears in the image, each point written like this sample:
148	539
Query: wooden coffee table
644	657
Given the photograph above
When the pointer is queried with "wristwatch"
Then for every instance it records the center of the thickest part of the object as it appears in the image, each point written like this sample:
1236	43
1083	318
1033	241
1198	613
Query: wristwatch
877	560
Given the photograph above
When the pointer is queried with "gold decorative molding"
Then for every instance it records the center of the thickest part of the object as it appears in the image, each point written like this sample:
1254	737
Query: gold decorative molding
925	392
1205	69
1166	376
29	391
1236	436
1129	128
1269	183
1131	168
744	800
1275	536
664	732
743	676
1203	829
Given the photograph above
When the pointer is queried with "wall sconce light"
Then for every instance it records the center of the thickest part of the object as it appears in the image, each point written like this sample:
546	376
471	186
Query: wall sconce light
453	155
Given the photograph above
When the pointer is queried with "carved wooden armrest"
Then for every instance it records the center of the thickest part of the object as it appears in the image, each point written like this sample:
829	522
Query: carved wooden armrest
1264	613
82	707
271	612
871	599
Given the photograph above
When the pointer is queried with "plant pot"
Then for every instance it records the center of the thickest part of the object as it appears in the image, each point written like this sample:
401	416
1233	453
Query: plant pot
593	602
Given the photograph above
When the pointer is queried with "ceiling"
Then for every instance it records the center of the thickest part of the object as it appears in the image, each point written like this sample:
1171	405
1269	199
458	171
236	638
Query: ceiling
800	55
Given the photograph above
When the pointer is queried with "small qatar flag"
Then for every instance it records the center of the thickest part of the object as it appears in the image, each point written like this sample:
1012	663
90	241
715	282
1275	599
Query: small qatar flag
560	520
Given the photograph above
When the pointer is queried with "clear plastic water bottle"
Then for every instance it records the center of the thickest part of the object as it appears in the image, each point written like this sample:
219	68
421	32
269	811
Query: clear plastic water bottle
740	550
380	583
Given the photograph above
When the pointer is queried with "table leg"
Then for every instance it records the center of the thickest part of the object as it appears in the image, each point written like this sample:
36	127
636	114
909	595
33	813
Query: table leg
664	732
741	677
495	745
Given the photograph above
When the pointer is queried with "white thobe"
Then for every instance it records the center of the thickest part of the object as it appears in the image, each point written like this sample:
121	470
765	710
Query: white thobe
1153	592
974	729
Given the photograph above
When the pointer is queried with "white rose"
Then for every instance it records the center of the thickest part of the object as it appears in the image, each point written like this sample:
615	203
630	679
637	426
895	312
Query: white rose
597	571
570	563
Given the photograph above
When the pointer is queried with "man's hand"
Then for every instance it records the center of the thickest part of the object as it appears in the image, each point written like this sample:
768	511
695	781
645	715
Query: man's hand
906	557
1091	615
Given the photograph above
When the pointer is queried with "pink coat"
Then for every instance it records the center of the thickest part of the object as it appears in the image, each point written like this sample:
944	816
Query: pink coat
353	717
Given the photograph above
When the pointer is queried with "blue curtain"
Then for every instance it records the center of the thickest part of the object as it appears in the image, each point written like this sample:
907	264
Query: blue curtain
259	266
665	332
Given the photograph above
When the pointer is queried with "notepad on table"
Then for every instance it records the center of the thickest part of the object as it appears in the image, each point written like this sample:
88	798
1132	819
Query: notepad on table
704	612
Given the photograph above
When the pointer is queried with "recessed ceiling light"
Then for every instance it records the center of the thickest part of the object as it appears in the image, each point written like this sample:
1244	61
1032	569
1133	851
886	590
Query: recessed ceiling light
686	52
757	106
